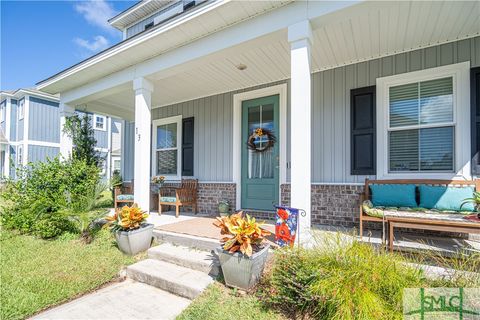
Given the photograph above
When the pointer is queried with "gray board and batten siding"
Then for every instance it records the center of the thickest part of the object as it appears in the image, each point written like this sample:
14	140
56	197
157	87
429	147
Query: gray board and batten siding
330	114
44	124
42	153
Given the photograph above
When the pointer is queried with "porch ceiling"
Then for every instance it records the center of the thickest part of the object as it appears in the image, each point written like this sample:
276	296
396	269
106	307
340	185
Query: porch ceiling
358	33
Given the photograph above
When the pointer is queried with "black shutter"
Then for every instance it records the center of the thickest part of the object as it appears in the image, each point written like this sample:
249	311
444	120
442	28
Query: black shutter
475	118
187	146
362	131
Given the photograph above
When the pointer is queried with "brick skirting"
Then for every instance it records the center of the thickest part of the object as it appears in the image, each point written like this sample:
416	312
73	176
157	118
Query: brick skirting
209	194
335	205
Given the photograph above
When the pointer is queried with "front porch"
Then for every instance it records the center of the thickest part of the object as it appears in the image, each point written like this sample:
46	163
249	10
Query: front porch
200	229
318	81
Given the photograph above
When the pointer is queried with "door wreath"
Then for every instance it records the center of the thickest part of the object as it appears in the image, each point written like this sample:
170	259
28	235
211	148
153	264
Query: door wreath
260	132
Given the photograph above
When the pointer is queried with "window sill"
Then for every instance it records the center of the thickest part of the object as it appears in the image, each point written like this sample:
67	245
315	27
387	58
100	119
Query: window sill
424	175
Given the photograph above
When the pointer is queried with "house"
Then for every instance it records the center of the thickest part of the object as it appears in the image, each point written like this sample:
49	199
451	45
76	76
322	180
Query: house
350	90
30	129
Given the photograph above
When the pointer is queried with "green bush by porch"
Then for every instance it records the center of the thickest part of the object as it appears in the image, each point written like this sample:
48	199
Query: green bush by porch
50	198
354	280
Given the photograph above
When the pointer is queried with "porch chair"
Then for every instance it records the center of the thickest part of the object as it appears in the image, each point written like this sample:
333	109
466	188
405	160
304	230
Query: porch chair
185	195
124	194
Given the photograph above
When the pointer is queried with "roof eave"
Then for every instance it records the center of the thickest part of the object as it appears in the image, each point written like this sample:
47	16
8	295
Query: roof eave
41	85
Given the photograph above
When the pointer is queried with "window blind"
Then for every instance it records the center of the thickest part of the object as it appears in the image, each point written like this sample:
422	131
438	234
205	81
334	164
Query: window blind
421	136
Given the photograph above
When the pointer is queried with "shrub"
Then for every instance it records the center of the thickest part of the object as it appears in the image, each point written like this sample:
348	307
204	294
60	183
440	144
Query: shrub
53	226
46	193
353	281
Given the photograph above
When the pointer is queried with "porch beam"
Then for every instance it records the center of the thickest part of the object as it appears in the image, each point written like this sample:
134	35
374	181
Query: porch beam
143	121
300	39
66	143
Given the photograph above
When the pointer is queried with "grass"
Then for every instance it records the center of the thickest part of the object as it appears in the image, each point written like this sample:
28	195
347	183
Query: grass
36	274
220	303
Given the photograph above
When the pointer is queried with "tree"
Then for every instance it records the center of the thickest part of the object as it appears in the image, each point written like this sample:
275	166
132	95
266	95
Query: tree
80	130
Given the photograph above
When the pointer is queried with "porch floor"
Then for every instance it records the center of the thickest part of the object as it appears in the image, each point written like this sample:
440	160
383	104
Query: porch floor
201	225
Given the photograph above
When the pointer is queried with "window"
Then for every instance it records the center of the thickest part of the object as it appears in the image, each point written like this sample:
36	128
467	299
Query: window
421	127
21	109
166	143
20	156
116	165
103	166
99	122
422	124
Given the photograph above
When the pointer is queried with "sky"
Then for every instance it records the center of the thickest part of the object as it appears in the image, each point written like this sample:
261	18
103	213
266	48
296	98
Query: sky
41	38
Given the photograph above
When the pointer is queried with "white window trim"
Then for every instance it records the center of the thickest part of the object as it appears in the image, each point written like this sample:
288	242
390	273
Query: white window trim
95	122
21	107
461	118
163	121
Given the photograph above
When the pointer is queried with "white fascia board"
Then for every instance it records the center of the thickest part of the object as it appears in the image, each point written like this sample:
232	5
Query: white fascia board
273	21
131	43
20	93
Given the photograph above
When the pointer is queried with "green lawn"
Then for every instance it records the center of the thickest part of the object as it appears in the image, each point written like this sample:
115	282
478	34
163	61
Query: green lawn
221	303
36	273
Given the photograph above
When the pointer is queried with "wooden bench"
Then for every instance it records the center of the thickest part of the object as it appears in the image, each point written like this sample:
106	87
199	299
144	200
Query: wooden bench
420	221
126	190
459	225
185	195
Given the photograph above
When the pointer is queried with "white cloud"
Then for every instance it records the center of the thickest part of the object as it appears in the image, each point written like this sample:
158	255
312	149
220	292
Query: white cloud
97	44
97	13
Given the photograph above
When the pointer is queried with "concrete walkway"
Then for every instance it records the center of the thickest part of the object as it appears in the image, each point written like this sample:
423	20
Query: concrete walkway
125	300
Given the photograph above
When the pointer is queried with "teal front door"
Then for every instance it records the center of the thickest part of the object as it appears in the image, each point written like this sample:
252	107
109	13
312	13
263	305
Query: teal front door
260	169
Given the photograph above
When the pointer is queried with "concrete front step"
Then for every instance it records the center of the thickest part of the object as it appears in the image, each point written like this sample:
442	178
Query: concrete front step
186	240
170	277
199	260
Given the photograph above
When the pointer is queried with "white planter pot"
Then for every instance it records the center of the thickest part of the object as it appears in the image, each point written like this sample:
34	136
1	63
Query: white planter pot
240	271
135	241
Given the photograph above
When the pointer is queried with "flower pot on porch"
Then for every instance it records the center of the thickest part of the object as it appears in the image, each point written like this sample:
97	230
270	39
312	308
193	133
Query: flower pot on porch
223	208
135	241
241	271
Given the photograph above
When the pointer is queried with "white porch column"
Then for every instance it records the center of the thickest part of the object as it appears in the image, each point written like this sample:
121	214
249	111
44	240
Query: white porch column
143	121
300	38
66	143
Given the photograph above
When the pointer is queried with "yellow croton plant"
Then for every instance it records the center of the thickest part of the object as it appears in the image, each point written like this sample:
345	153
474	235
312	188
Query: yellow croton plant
127	218
243	233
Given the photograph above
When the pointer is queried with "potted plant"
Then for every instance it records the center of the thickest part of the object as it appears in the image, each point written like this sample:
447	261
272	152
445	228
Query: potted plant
243	253
131	231
475	200
158	181
224	207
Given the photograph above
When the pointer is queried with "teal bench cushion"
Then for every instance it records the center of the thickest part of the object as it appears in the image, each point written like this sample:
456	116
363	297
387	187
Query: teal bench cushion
125	197
393	195
168	199
445	198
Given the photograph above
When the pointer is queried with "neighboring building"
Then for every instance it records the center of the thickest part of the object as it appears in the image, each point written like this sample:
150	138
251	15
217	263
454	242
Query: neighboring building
30	130
350	89
29	120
